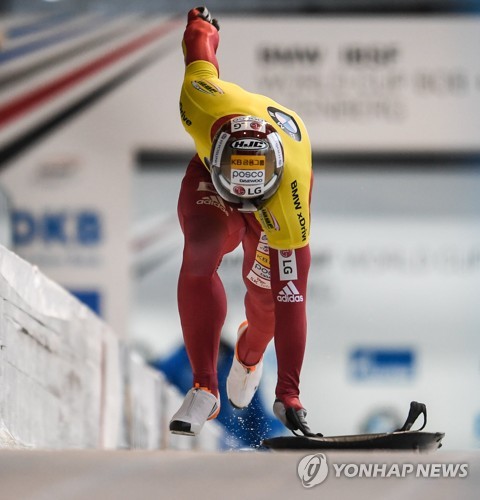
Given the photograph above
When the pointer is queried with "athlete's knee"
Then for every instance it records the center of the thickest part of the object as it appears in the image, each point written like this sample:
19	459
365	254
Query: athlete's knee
260	311
200	258
259	298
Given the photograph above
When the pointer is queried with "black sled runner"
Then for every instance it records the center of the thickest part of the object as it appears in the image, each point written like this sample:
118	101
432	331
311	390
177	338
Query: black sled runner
401	439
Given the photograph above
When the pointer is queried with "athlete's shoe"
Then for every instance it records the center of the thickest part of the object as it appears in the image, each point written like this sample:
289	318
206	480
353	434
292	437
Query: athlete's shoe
243	381
198	406
293	419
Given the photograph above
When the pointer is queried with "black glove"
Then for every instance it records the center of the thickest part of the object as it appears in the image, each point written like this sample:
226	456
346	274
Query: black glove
204	14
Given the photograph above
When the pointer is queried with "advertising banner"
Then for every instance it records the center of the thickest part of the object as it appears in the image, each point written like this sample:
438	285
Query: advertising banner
376	84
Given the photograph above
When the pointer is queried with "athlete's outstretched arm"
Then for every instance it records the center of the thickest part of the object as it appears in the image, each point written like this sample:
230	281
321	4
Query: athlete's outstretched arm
200	40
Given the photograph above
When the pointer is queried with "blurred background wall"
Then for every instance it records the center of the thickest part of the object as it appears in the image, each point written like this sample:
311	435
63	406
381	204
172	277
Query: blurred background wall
92	152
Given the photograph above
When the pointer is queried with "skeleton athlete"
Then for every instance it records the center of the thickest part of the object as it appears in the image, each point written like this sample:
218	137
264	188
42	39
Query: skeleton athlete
249	183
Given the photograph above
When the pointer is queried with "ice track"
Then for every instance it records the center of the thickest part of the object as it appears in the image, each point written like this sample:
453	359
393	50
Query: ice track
127	475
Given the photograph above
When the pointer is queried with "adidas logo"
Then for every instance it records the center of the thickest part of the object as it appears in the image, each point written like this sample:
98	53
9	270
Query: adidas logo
289	293
214	201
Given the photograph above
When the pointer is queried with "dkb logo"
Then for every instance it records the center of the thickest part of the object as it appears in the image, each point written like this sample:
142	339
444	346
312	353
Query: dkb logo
312	470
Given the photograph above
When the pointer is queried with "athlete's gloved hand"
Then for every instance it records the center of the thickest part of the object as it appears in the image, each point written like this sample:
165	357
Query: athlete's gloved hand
203	13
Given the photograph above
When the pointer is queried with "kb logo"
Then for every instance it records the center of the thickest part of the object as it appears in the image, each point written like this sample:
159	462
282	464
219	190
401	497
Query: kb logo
312	470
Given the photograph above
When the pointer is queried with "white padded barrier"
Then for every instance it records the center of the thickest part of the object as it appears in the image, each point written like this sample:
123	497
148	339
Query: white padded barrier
59	364
67	382
143	404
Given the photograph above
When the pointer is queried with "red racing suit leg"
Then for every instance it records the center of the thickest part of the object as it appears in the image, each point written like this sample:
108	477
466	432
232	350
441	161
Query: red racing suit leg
278	312
259	306
211	229
290	298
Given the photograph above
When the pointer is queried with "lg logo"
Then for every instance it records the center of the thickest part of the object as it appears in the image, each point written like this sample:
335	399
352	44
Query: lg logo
287	265
312	470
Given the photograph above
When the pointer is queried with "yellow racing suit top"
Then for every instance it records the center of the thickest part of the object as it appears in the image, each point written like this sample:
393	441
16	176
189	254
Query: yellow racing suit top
204	99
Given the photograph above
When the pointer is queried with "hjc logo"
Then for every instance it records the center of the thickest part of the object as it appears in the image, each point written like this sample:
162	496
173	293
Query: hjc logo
254	144
312	470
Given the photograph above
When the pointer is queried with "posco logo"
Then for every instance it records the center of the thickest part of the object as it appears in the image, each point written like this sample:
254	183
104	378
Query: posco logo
252	144
258	175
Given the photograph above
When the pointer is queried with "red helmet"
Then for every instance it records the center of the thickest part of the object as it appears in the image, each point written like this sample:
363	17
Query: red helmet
246	161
